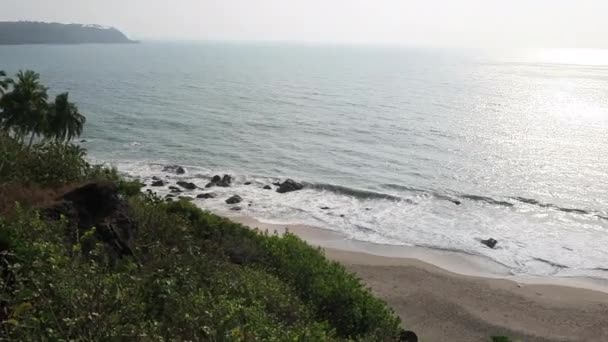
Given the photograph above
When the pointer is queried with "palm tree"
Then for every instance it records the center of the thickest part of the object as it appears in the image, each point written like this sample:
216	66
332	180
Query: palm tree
64	122
4	83
24	108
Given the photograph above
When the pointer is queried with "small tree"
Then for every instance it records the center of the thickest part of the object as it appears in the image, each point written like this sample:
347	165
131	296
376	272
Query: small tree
4	83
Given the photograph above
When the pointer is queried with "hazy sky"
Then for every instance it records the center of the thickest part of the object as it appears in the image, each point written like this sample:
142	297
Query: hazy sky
531	23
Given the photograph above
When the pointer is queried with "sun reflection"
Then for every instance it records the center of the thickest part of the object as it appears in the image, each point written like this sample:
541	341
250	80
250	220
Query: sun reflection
590	57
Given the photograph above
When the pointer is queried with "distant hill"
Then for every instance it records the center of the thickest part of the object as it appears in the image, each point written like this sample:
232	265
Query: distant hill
27	32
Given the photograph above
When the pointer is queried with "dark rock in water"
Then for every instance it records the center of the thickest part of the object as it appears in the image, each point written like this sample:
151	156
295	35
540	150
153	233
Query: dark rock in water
234	199
489	242
175	189
169	196
267	187
206	195
186	198
83	140
97	205
187	185
158	183
342	215
325	208
155	178
276	184
289	185
247	183
174	169
224	181
235	208
408	336
368	208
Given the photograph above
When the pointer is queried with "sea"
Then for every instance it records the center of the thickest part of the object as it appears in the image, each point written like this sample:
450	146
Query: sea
412	146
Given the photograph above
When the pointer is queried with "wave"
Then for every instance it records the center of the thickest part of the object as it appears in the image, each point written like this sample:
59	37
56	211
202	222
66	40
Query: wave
357	193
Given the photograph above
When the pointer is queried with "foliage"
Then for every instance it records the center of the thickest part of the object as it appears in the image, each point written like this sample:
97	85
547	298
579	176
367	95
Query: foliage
192	276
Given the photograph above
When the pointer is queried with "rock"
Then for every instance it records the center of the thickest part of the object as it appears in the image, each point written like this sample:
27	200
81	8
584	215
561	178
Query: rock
83	140
247	183
169	196
235	208
155	178
98	205
288	186
234	199
158	183
276	184
342	215
206	195
187	185
174	169
186	198
175	189
408	336
489	242
267	187
224	181
325	208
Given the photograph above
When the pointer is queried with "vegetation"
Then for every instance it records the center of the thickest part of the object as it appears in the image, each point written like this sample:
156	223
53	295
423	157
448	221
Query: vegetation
188	274
25	32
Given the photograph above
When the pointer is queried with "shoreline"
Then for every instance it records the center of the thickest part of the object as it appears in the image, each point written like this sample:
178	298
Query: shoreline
443	295
453	262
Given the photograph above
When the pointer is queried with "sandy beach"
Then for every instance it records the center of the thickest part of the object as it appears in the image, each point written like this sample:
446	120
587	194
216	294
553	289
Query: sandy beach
446	296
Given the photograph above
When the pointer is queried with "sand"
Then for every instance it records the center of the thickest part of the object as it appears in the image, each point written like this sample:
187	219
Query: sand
446	296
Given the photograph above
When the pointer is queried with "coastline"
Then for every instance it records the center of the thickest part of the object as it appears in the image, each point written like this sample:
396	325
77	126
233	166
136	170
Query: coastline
446	295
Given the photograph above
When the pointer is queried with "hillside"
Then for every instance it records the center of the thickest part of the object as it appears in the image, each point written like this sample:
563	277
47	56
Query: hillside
24	32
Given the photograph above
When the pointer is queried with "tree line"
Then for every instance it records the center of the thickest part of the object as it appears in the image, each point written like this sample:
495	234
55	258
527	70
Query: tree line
26	112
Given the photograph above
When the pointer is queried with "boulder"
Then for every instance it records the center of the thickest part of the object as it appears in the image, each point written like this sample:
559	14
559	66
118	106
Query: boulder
175	189
158	183
187	185
408	336
247	183
206	195
224	181
234	199
289	185
98	205
267	187
174	169
489	242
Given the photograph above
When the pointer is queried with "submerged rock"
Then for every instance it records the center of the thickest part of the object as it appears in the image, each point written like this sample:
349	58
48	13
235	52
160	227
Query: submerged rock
224	181
289	185
234	199
267	187
325	208
247	183
158	183
489	242
206	195
236	208
174	169
187	185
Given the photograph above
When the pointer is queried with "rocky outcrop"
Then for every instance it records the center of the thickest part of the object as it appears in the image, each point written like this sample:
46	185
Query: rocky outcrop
289	185
186	185
97	205
224	181
234	199
158	183
178	170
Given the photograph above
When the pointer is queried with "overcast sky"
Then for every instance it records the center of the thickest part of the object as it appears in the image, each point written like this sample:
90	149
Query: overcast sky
529	23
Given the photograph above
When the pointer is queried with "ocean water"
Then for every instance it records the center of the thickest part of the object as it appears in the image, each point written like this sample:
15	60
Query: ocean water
390	139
